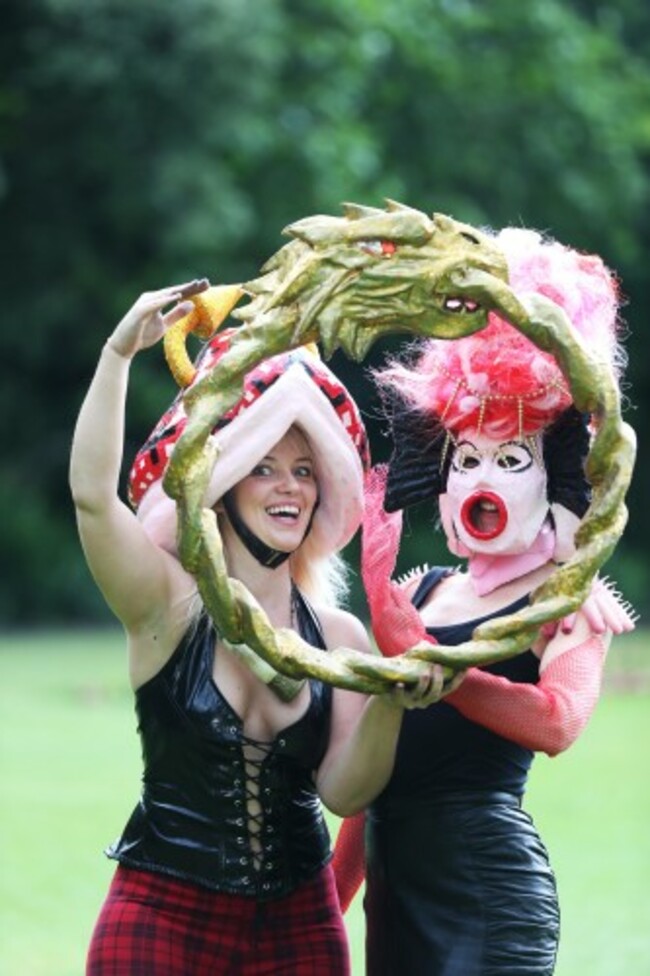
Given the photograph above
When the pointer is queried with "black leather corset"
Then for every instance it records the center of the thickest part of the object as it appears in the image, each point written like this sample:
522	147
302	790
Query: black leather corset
192	820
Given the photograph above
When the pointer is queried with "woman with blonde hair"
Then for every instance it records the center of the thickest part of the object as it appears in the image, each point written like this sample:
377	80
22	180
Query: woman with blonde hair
223	867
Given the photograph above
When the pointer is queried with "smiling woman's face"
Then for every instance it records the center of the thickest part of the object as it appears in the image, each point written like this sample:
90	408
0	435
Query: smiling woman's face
495	501
276	500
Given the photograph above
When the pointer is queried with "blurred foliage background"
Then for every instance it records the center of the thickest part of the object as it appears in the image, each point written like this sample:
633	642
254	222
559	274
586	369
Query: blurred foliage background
145	143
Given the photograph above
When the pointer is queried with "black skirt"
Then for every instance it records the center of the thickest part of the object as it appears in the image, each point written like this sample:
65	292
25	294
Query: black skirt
459	886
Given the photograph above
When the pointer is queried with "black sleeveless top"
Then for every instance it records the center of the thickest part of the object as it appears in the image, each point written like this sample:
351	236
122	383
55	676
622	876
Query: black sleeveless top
192	821
439	750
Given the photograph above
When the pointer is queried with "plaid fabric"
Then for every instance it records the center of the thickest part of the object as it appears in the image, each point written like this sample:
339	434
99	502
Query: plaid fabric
152	925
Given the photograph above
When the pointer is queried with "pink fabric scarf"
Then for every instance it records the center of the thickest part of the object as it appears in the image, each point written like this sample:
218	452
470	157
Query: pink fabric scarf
489	572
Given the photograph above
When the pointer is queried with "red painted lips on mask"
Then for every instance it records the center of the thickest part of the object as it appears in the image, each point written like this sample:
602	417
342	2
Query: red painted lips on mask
484	515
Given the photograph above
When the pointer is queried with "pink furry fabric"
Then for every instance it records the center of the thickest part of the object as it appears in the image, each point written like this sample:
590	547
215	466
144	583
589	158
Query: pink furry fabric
546	717
349	860
396	624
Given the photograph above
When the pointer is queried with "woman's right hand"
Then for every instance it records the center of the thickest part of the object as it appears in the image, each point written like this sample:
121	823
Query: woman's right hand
145	323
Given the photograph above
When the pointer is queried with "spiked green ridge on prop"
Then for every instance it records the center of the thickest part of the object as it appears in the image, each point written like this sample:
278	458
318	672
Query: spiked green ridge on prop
344	282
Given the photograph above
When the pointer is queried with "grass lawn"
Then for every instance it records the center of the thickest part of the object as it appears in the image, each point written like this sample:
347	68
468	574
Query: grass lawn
69	768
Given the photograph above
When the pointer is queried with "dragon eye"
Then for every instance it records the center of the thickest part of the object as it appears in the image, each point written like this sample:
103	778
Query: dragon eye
469	237
380	248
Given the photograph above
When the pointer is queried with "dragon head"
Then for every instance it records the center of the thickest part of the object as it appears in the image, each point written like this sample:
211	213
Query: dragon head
347	280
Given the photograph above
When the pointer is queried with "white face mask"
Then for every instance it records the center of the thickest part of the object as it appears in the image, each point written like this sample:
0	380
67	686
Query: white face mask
496	501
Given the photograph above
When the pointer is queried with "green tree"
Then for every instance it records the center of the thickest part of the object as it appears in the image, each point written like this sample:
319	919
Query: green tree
143	143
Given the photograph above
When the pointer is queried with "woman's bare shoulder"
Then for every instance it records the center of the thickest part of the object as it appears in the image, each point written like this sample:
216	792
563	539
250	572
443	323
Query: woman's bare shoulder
341	628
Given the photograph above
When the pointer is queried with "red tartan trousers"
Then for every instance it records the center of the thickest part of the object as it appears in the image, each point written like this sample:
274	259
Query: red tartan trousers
153	925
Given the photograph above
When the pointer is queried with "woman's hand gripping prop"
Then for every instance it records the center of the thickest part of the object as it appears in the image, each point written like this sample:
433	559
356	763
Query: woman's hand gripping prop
344	282
604	609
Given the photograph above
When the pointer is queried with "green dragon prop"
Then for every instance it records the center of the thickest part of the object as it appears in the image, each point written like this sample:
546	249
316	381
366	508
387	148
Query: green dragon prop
343	282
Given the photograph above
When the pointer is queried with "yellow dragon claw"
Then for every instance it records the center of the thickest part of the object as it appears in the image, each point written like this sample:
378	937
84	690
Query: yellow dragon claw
211	307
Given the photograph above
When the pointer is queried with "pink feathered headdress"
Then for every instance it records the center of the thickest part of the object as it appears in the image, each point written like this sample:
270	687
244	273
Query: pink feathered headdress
497	380
500	383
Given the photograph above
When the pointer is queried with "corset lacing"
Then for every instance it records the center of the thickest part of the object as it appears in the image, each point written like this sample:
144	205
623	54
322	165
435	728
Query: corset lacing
255	754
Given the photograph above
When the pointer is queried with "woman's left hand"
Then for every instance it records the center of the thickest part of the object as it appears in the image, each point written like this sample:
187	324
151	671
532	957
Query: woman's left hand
605	609
428	690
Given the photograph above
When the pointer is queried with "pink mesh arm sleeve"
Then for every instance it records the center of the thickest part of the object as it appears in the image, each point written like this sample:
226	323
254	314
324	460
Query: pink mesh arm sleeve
349	861
396	624
547	717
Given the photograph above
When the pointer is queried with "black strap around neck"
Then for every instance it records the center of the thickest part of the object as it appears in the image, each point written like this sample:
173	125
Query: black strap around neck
265	555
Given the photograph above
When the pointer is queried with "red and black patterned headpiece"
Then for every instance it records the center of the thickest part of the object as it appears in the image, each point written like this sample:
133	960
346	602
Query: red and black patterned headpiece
291	389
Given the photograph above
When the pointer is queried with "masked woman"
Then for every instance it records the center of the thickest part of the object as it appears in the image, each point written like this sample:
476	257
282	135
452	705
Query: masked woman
223	865
458	880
